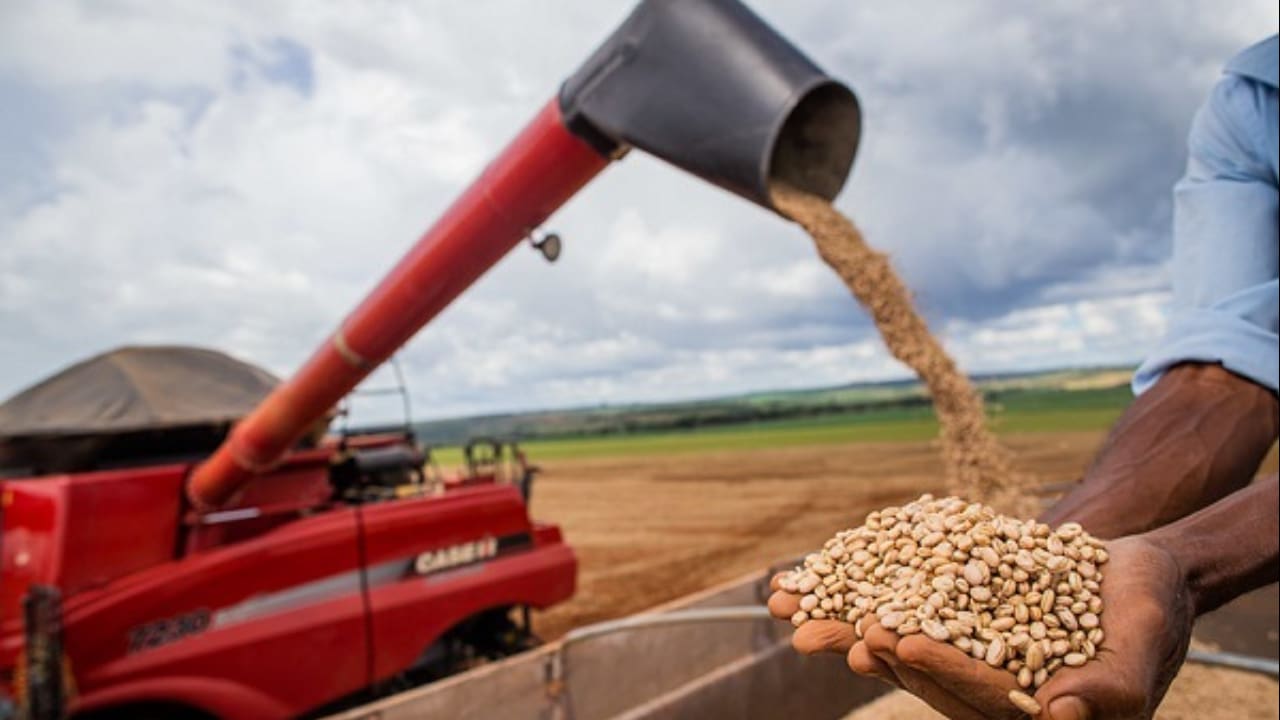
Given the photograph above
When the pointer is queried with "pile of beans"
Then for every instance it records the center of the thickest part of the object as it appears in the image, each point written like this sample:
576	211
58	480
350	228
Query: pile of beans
1015	594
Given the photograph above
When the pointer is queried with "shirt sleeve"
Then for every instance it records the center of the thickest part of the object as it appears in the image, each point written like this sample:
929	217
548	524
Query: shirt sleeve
1226	294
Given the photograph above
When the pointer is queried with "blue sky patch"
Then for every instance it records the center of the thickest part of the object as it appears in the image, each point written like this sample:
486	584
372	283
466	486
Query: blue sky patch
280	60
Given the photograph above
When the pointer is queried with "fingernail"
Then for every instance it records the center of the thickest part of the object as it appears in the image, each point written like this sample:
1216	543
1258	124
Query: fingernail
1069	707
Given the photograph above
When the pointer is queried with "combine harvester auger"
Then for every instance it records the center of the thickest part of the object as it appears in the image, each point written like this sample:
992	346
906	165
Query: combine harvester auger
276	576
702	84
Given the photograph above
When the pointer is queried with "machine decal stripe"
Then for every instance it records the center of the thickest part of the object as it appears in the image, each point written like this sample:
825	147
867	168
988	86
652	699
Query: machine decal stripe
352	358
335	586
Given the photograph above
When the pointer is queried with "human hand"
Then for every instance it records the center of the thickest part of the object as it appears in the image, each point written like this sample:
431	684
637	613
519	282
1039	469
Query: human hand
872	653
1147	625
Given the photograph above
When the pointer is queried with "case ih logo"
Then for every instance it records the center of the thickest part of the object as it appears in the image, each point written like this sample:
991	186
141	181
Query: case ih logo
455	555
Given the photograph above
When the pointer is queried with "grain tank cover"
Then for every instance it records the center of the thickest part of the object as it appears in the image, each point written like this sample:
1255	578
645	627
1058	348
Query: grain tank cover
138	388
165	400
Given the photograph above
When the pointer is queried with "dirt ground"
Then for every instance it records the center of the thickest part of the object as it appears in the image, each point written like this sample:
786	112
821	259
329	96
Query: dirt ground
649	529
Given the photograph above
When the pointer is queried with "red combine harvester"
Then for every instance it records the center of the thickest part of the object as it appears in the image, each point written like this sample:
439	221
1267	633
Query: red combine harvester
276	576
272	604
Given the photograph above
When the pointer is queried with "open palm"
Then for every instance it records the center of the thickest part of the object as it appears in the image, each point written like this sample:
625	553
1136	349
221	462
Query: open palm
1147	623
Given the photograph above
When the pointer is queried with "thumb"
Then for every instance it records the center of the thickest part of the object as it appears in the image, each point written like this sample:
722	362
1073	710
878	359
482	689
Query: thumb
1069	707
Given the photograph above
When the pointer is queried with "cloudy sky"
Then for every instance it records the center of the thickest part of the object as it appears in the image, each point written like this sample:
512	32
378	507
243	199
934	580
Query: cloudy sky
238	175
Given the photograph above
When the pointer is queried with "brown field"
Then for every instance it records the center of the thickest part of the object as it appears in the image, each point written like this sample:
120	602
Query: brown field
648	529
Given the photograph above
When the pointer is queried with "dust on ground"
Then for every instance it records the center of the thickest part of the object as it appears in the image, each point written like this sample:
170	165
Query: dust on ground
978	468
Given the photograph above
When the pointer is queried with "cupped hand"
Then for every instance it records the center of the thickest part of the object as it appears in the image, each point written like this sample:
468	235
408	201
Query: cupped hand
1147	624
875	654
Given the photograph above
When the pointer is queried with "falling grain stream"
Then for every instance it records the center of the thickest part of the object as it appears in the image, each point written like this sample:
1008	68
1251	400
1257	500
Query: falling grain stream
978	467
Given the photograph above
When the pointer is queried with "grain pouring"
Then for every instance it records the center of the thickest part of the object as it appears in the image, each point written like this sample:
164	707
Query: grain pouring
1017	595
977	466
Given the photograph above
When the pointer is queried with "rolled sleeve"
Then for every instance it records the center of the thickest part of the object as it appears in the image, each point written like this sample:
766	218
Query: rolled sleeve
1226	294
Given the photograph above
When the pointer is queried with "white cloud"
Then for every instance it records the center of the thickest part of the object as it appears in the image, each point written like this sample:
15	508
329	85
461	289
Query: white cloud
670	256
238	175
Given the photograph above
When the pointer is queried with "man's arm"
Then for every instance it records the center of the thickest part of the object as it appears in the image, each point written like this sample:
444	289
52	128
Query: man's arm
1195	437
1206	411
1228	549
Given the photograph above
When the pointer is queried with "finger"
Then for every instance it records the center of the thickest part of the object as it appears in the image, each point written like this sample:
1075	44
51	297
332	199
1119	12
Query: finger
1078	693
956	672
863	662
884	645
923	687
1069	707
783	605
775	582
818	636
880	641
1066	700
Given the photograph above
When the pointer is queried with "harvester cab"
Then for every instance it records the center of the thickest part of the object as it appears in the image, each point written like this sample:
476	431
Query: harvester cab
266	579
363	475
504	460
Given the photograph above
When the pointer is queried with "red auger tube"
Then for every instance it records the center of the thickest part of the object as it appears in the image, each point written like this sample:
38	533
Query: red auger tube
539	171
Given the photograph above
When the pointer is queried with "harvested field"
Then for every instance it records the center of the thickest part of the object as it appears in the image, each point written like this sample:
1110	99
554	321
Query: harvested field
649	529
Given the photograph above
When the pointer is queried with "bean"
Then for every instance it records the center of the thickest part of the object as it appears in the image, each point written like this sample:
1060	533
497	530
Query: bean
978	649
1003	624
1024	702
995	652
1035	656
935	630
1017	595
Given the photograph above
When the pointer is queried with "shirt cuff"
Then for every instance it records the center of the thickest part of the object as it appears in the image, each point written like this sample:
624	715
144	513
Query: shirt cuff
1209	336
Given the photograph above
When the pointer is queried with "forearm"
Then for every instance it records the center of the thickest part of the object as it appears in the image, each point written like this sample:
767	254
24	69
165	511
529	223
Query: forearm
1193	439
1230	547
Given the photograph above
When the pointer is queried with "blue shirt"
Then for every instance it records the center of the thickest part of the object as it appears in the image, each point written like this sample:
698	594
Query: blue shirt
1225	288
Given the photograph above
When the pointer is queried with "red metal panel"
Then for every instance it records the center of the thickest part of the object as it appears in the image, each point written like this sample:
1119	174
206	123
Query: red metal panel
82	531
228	701
411	612
539	171
304	647
410	615
407	527
279	497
